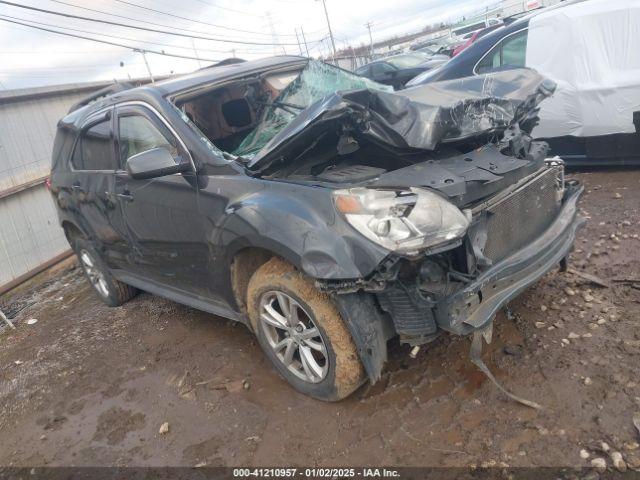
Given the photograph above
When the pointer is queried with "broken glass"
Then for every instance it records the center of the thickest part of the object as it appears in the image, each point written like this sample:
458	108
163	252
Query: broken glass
316	81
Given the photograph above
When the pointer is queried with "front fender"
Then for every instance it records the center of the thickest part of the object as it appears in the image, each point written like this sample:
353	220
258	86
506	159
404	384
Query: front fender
303	228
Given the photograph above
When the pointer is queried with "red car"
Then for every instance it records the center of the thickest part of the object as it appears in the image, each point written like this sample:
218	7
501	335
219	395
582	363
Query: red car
474	36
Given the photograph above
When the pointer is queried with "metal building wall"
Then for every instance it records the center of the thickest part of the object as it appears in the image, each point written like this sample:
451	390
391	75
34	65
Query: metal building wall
27	130
29	232
30	235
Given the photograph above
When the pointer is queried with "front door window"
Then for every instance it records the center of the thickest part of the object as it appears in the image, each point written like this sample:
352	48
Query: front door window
138	134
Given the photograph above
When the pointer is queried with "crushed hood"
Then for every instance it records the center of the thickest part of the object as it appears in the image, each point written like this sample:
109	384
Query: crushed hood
420	118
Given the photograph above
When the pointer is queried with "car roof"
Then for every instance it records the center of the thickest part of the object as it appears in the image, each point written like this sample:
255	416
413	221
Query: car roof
216	73
553	8
152	93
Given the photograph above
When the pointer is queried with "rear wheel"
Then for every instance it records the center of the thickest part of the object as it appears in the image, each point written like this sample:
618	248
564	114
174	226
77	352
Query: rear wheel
302	333
112	292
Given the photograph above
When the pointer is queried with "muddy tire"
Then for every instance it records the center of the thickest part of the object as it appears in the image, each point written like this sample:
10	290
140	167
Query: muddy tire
302	333
112	292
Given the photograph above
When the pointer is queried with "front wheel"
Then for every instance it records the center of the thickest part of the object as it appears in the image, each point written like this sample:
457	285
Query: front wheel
112	292
302	333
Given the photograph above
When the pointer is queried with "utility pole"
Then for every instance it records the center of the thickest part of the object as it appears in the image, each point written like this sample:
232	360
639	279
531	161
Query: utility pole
354	60
144	57
298	40
305	41
193	44
368	25
326	14
274	37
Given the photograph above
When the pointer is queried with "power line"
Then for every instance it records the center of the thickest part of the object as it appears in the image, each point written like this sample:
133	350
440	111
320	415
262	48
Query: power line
108	22
116	36
128	47
75	67
62	2
229	9
102	12
23	75
173	15
40	52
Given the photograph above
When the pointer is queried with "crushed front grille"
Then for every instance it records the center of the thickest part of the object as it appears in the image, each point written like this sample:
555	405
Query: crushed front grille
522	216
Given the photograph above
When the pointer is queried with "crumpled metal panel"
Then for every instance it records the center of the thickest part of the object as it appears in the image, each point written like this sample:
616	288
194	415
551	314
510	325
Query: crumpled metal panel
416	119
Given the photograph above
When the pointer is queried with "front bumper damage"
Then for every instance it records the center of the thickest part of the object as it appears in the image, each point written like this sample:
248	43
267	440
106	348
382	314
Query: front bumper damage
418	318
471	302
477	303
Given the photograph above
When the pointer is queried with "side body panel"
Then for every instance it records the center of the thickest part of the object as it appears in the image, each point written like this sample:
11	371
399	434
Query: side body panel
296	222
160	215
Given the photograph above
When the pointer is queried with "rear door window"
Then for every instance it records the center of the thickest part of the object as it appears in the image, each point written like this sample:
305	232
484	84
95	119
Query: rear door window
94	149
510	52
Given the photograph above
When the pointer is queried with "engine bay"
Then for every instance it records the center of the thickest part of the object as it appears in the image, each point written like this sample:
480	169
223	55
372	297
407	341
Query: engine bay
316	123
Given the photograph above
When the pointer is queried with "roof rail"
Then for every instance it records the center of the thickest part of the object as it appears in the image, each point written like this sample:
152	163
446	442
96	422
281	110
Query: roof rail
103	92
222	63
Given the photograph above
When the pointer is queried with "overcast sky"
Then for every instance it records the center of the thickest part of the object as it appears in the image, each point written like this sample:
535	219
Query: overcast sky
32	58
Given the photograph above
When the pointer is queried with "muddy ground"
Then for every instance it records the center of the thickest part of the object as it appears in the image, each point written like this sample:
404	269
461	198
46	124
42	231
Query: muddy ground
92	385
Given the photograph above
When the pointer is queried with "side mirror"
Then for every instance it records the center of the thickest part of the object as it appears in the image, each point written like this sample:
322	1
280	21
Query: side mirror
153	163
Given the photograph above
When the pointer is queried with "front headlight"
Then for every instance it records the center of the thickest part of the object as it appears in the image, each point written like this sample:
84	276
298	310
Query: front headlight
402	221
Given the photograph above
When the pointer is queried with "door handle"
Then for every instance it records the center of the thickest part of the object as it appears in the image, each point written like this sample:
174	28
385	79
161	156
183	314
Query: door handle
77	187
126	196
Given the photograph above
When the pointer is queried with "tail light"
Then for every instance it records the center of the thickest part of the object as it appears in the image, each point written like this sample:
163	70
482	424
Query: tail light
47	183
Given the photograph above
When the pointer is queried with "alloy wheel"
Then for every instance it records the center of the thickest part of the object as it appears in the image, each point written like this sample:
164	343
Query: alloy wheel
96	277
293	336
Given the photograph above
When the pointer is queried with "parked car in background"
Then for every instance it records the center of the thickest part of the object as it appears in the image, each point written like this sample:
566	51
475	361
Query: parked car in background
438	46
399	69
589	48
446	47
476	59
433	52
461	31
322	210
473	37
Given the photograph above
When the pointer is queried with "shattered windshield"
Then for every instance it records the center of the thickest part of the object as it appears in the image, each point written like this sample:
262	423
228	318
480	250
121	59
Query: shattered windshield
316	81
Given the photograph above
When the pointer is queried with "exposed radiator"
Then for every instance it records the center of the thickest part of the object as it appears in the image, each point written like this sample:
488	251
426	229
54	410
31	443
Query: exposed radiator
522	216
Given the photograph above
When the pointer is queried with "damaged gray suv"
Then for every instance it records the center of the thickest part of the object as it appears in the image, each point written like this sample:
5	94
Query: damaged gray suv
322	210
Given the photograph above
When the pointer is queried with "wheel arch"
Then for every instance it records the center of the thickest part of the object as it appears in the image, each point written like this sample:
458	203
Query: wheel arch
72	231
370	328
243	265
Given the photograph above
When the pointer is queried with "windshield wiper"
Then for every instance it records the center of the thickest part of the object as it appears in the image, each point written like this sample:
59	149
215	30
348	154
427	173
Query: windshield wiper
287	107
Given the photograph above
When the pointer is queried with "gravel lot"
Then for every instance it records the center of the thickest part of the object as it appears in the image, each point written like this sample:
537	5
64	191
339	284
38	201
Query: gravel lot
91	385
